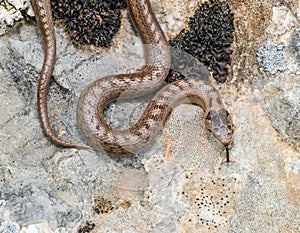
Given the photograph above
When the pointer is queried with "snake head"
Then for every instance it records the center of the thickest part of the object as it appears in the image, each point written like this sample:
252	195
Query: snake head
219	123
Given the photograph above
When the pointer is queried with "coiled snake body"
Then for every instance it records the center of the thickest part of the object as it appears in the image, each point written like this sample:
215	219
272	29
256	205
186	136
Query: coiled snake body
102	91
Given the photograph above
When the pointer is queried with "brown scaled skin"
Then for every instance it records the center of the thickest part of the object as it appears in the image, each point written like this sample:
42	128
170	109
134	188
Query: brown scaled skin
45	23
99	93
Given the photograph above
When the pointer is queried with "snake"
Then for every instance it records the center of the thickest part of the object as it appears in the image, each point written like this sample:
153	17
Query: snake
148	79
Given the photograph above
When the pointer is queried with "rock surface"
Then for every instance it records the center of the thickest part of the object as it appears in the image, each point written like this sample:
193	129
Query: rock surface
181	183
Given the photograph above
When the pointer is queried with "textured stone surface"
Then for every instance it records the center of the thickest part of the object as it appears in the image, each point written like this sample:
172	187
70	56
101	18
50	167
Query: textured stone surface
180	183
11	12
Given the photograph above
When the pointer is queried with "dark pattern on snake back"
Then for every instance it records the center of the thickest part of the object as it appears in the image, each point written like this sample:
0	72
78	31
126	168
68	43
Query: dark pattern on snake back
99	93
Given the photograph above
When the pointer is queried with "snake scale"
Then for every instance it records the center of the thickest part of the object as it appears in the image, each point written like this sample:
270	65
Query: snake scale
99	93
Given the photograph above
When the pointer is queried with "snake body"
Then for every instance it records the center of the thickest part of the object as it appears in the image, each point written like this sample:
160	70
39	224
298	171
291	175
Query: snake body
99	93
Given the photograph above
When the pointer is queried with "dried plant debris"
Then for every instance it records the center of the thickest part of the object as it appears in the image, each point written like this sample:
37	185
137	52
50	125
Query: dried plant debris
103	206
87	227
89	21
209	37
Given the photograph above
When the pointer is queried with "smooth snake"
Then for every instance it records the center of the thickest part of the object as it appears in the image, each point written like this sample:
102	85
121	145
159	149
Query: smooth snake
101	92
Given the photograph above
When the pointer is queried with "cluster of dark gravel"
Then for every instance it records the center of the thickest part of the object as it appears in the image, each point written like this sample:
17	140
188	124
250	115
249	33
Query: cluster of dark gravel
90	21
209	37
